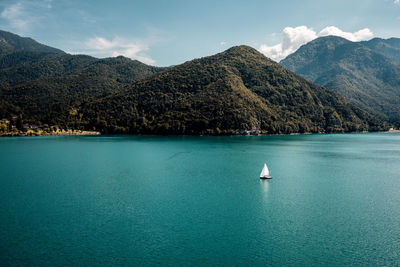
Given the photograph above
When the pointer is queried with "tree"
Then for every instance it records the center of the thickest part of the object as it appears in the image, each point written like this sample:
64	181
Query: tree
19	123
10	125
3	127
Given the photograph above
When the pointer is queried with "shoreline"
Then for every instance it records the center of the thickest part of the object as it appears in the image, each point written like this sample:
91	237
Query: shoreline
60	133
31	133
94	133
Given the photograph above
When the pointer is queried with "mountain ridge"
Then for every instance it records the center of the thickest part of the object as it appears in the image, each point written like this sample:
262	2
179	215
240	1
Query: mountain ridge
389	47
238	89
10	42
233	92
367	78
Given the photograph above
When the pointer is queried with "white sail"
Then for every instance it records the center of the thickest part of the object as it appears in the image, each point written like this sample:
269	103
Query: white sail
265	172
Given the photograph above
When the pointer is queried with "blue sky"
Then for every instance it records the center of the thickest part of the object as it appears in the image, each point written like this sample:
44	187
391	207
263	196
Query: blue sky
170	32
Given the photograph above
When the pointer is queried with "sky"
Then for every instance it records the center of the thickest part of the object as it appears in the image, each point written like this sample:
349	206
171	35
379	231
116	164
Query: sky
170	32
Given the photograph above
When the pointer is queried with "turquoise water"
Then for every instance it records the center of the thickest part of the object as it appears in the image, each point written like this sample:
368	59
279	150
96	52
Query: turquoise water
333	200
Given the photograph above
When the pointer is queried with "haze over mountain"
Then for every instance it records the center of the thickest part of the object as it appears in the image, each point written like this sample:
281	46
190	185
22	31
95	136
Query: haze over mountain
365	73
10	42
237	90
389	47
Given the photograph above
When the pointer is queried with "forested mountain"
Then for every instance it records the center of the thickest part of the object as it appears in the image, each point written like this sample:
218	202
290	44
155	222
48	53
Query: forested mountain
44	84
21	67
51	99
366	77
233	92
10	42
239	89
389	47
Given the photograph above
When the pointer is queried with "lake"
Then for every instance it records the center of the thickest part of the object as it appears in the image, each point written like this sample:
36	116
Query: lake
143	200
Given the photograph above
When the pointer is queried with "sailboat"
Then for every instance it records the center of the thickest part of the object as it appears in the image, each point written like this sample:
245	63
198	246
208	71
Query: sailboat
265	173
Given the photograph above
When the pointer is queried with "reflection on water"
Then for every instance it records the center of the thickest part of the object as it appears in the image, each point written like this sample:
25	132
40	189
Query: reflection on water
264	184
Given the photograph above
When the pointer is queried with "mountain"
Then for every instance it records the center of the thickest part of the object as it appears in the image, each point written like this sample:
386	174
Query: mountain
36	66
389	47
365	77
44	83
51	99
23	66
228	93
10	42
233	92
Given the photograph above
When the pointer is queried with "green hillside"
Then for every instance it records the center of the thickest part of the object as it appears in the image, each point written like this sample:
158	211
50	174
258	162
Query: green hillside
62	85
229	93
365	77
389	47
45	84
238	91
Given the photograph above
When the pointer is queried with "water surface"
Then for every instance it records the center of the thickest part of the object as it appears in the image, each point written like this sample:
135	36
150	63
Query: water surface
333	200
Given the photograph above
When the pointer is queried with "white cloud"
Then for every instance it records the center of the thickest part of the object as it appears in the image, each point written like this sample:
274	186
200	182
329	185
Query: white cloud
397	1
222	43
23	15
15	16
360	35
293	38
102	47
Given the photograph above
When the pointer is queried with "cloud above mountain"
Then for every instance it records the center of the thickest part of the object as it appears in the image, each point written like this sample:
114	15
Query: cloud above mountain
21	16
13	14
103	47
357	36
293	38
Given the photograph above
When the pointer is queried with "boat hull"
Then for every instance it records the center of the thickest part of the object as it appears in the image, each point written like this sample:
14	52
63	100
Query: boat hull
265	177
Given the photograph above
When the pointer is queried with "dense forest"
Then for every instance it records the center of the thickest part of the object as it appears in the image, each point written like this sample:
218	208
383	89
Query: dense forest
238	91
51	98
45	85
232	92
365	73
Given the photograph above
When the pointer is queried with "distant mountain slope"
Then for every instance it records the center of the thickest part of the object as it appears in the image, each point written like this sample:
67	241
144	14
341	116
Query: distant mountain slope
28	60
389	47
365	77
239	89
64	82
43	82
21	67
35	66
10	42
